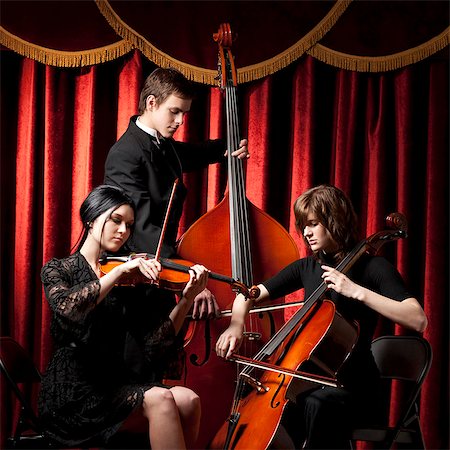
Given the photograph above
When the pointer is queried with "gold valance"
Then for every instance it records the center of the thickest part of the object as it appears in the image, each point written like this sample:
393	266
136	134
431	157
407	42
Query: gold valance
380	63
61	58
202	75
352	35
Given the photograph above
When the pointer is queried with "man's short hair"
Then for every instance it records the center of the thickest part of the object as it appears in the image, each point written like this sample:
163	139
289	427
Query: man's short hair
162	83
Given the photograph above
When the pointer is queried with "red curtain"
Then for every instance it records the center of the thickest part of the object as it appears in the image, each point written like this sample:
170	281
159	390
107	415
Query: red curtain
382	138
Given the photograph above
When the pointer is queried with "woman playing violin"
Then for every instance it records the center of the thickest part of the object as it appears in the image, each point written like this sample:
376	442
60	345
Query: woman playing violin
91	390
322	418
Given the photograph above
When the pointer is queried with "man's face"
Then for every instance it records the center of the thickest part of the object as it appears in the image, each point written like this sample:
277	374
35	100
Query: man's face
168	116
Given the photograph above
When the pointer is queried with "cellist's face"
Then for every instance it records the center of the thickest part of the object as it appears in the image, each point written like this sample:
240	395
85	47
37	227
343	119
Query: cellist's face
318	237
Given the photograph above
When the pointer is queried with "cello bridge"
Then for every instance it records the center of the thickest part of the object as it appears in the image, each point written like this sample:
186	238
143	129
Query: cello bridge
252	336
254	383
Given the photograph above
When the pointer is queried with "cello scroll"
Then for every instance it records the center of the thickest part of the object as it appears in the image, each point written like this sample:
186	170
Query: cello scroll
397	229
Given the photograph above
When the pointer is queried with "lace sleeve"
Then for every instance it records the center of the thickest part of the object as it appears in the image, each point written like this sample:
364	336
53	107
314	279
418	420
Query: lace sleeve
164	349
70	289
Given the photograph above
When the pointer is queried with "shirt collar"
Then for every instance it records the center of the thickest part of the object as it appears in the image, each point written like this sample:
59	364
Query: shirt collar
148	130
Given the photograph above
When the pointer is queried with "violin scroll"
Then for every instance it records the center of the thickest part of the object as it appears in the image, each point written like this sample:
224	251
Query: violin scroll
254	292
249	293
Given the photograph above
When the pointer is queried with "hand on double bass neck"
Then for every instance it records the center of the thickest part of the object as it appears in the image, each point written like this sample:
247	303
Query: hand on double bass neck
242	152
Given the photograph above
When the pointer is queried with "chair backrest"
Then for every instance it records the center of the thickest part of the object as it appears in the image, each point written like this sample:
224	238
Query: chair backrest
402	357
406	358
18	367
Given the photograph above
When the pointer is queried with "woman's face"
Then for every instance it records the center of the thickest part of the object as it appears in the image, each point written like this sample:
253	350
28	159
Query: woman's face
116	230
318	237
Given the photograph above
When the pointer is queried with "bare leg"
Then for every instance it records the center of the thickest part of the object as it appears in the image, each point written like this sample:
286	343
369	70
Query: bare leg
165	428
188	403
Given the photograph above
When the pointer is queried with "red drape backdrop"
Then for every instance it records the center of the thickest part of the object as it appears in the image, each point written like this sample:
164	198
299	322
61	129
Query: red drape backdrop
382	138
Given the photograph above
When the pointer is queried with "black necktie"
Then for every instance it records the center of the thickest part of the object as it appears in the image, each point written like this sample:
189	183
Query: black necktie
162	144
165	147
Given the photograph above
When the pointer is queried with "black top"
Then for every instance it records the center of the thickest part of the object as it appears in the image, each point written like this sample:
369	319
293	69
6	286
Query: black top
147	171
374	273
93	382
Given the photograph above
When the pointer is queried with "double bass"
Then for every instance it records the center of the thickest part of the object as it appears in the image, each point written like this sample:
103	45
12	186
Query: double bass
234	237
315	336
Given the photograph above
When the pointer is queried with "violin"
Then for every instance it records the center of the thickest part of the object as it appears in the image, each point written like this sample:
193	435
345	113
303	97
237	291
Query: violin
174	275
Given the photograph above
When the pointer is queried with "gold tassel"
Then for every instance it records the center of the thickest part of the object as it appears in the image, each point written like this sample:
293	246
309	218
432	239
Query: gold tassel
380	63
60	58
282	60
161	59
207	76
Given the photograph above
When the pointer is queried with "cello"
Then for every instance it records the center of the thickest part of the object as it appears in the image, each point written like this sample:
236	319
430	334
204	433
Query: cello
234	237
316	334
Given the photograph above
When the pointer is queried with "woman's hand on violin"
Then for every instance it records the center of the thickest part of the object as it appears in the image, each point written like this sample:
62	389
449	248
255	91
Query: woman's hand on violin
150	268
197	282
205	306
341	283
242	151
229	341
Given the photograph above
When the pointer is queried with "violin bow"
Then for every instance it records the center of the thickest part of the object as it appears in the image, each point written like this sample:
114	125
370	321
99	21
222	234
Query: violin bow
166	219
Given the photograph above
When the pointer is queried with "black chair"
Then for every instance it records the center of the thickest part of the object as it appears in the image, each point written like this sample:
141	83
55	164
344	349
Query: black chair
408	360
21	373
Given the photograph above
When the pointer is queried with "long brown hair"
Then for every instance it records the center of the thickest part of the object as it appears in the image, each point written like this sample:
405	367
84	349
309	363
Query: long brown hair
334	210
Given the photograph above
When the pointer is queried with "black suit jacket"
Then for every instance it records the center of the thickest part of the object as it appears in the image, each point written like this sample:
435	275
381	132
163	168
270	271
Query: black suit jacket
136	164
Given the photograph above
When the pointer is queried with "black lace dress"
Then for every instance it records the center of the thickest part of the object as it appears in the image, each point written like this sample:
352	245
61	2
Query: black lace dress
106	356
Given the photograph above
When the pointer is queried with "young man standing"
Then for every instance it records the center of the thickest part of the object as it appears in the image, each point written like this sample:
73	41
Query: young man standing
146	160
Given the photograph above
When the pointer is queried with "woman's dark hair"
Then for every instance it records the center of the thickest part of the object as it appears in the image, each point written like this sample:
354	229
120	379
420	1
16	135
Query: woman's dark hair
163	82
334	210
101	199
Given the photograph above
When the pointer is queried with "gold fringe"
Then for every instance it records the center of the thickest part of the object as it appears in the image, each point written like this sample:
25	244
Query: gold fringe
207	76
61	58
283	59
160	58
380	63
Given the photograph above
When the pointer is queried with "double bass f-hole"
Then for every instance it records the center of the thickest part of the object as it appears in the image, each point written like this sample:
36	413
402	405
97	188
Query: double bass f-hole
193	357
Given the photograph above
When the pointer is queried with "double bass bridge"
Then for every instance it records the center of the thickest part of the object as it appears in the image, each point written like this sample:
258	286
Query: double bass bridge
252	336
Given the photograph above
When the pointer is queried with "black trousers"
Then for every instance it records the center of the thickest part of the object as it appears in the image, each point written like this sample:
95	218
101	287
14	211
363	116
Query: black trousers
323	418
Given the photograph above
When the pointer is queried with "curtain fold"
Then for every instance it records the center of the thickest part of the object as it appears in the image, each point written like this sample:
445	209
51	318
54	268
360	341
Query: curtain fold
26	216
383	138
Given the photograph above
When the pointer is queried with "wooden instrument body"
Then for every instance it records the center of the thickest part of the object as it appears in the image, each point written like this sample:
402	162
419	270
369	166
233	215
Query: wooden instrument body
317	333
207	242
324	338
